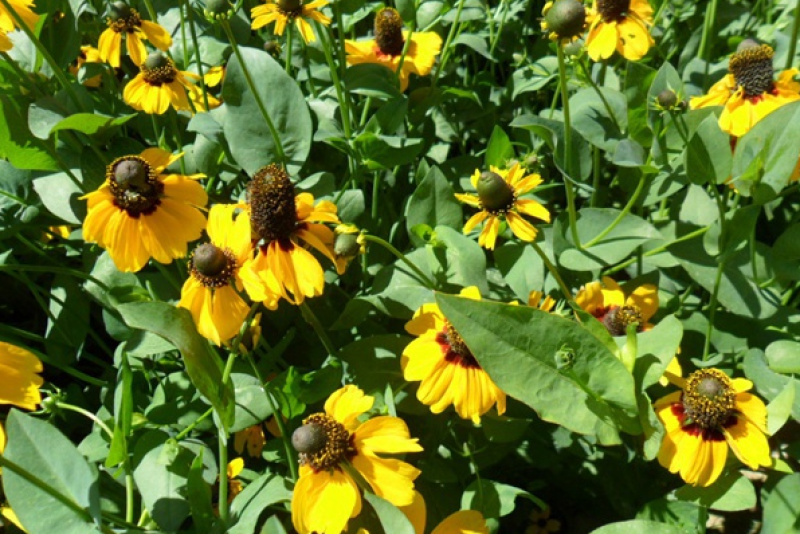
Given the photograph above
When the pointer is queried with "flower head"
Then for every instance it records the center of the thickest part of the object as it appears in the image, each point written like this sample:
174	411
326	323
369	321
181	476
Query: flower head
564	20
124	20
446	368
608	303
210	292
7	22
542	523
498	198
234	469
281	221
711	413
19	378
283	12
139	213
160	84
88	54
387	48
749	92
334	442
619	25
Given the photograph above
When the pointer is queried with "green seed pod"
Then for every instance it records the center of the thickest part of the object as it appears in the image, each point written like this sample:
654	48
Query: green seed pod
494	192
566	18
156	60
119	10
290	6
309	438
130	174
217	7
667	99
209	260
346	245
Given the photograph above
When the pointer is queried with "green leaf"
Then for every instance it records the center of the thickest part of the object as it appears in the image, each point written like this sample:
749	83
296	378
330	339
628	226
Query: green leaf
782	509
638	79
90	123
47	454
535	76
246	131
374	362
689	517
730	493
780	409
592	119
248	506
708	156
769	383
17	145
637	526
657	347
630	233
475	42
494	499
391	518
123	411
521	266
199	494
433	203
370	79
60	194
784	356
384	152
68	325
519	346
499	150
552	132
461	262
202	363
252	406
628	153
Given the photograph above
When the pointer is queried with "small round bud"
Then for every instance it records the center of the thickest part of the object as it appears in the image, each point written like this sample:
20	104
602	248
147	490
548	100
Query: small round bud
494	192
346	245
573	48
156	60
119	10
272	48
747	43
531	161
566	18
218	7
667	99
130	174
209	260
309	438
49	404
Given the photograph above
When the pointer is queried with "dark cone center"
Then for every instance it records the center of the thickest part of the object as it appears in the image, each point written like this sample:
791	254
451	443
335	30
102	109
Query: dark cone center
618	319
209	260
389	32
752	69
613	10
494	192
134	184
566	18
454	348
709	400
273	215
158	69
323	443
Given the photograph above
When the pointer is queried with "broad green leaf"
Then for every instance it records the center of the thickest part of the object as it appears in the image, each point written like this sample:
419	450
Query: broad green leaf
519	346
592	119
630	233
784	356
246	131
689	517
535	76
656	348
43	451
385	152
68	325
474	42
552	132
391	518
60	194
494	499
199	494
780	409
521	266
89	123
369	79
202	363
374	362
638	79
638	526
433	203
123	413
730	493
782	509
499	149
708	157
17	145
769	384
248	506
460	262
252	406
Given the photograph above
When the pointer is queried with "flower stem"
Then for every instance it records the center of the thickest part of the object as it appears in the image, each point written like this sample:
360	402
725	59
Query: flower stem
183	433
496	37
597	90
573	216
226	27
87	414
793	40
627	209
658	250
553	271
712	308
288	65
707	40
222	438
58	72
344	105
446	50
193	31
311	318
399	255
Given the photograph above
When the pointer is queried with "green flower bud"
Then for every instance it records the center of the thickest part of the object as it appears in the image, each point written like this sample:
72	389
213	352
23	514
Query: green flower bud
119	10
156	60
667	99
309	438
209	260
566	18
130	174
494	192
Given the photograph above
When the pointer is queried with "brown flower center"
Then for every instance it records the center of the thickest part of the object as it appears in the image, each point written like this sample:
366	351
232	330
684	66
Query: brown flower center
497	197
709	400
290	8
389	32
212	266
323	443
751	67
126	20
273	215
619	318
158	69
613	10
135	185
454	348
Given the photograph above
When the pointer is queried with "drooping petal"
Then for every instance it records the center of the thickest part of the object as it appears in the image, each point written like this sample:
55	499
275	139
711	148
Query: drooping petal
110	46
346	404
602	41
324	502
390	478
157	35
520	227
19	381
748	443
463	522
645	297
488	236
387	435
136	48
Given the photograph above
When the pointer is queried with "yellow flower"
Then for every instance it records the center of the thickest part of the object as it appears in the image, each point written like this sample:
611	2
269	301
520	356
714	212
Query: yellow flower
462	522
89	54
253	437
749	92
210	292
280	220
19	381
333	444
348	244
711	413
7	22
214	76
125	20
387	48
542	523
535	301
498	198
9	515
444	365
235	467
160	84
283	12
672	371
619	25
608	303
139	213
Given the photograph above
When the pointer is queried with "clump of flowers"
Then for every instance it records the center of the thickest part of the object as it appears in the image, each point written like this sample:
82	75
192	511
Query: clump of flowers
387	47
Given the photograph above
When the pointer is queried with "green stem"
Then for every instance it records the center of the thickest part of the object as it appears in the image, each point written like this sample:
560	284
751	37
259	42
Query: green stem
185	432
713	308
264	113
376	188
222	438
399	255
53	269
311	318
88	414
634	198
658	250
183	36
446	50
58	72
148	4
795	32
597	90
23	76
193	31
573	216
553	271
595	175
707	40
289	33
344	105
496	36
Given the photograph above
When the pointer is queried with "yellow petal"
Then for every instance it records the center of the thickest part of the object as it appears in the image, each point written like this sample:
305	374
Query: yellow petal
390	478
346	404
157	35
748	443
463	522
488	236
602	41
520	227
385	434
645	297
